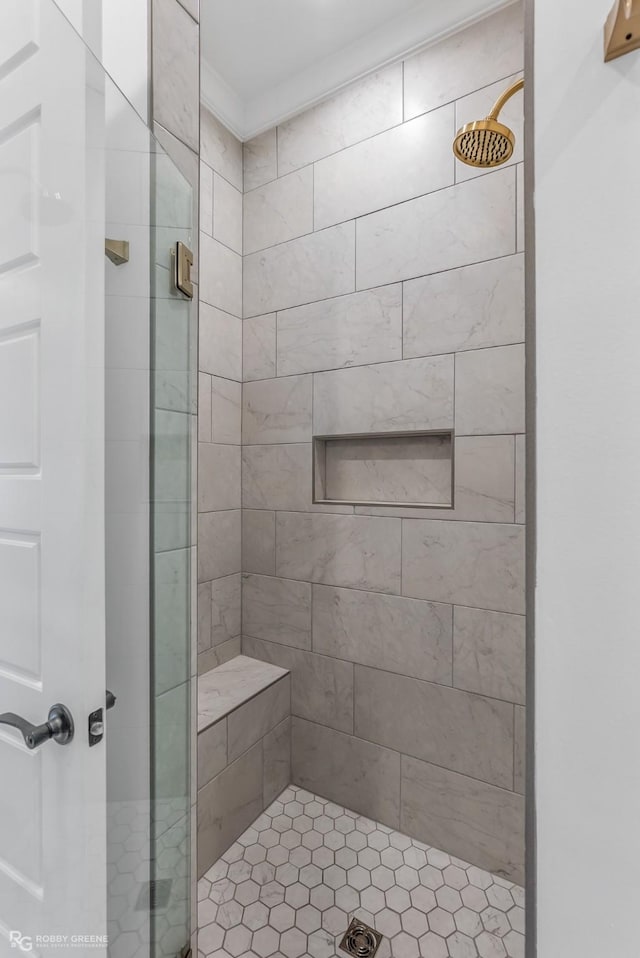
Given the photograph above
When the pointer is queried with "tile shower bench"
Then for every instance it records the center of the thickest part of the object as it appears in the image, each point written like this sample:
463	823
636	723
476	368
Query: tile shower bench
244	748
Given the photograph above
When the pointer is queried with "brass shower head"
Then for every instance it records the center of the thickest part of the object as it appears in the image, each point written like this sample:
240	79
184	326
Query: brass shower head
486	143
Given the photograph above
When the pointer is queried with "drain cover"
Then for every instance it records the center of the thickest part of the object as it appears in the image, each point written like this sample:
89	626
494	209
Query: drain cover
361	940
154	895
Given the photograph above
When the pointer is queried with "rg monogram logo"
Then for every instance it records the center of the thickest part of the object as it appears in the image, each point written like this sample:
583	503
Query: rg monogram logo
20	941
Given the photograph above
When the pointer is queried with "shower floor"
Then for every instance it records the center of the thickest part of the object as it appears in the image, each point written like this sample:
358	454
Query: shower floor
294	880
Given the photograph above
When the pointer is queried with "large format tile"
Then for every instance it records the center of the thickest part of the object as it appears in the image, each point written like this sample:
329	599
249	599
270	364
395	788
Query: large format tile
220	276
416	394
218	655
439	231
259	347
226	411
226	609
387	632
277	410
226	688
301	271
220	343
490	391
251	722
347	770
473	58
353	551
407	161
279	211
457	730
176	99
521	478
220	149
219	470
278	477
478	564
520	750
360	110
218	544
350	330
489	653
212	751
277	760
278	610
260	160
227	213
321	687
227	805
471	819
204	407
467	308
258	541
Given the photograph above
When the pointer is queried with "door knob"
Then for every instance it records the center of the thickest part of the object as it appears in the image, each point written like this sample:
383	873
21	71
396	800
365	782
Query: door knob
59	727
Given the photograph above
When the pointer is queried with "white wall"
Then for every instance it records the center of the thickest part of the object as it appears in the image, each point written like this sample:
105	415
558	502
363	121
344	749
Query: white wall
587	142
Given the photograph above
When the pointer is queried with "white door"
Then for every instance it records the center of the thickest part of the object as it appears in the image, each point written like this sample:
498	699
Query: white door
52	646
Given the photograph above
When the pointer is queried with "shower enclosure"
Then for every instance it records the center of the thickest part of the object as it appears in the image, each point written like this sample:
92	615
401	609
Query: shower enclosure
97	412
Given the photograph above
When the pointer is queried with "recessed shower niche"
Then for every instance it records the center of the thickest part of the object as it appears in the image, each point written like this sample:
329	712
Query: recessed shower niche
385	469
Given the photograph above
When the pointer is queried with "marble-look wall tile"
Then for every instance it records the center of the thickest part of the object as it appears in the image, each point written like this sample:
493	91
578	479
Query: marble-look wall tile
521	476
212	751
277	761
466	61
479	104
218	655
218	544
478	564
220	337
279	211
227	213
520	750
387	632
321	687
354	551
457	730
489	653
220	149
206	199
258	542
175	71
251	722
226	411
204	407
475	821
360	110
415	394
520	208
219	486
279	477
394	244
227	805
226	609
220	276
259	347
260	160
278	610
490	391
351	330
408	161
204	616
277	410
347	770
301	271
468	308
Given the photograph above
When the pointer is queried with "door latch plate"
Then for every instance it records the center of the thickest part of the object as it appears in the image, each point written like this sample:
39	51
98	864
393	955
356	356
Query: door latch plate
96	727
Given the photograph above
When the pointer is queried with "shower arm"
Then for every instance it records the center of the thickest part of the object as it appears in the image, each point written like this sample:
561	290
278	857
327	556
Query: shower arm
502	99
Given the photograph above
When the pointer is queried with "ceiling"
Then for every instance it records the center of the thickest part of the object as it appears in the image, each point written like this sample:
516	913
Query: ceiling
266	60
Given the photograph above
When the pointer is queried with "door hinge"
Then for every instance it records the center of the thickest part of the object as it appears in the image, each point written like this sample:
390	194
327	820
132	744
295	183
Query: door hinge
184	262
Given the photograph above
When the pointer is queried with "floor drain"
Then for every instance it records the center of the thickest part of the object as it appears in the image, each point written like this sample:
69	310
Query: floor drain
154	895
361	940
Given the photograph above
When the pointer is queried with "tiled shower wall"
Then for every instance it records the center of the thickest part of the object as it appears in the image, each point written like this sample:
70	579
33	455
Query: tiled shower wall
383	291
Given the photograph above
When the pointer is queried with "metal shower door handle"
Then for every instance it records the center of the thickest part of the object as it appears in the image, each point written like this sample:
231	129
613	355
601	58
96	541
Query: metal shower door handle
59	726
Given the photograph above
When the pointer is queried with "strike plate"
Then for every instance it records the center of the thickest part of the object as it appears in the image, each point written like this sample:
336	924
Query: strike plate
184	262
